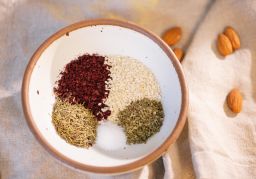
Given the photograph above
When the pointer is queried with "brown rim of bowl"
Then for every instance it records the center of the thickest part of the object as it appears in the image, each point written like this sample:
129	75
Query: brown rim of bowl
105	170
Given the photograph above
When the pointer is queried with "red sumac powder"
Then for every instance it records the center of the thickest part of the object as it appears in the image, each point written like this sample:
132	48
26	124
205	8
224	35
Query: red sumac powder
84	81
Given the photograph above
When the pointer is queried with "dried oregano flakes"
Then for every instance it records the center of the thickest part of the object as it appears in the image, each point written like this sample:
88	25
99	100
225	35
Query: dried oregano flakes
141	120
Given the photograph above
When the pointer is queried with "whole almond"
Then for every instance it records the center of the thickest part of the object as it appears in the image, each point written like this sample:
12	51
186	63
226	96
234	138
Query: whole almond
224	45
235	101
179	53
172	36
233	37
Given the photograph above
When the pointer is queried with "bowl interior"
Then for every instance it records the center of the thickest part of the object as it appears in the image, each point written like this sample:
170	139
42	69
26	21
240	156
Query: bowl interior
102	40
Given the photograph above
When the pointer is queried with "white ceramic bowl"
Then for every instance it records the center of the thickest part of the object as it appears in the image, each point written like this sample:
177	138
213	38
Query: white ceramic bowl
104	37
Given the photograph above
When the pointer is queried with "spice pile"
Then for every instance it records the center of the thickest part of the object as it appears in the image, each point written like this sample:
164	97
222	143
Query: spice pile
74	123
131	81
94	88
84	82
141	119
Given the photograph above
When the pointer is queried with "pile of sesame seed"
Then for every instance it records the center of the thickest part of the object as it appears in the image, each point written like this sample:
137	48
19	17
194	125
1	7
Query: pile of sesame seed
131	81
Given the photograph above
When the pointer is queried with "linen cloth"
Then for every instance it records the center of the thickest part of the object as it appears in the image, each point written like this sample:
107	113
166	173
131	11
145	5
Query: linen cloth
223	145
25	24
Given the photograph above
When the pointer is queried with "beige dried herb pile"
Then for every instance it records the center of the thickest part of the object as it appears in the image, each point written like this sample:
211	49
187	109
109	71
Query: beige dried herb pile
74	123
141	119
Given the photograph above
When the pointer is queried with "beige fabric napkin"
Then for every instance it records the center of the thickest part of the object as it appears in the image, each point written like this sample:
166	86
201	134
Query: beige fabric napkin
223	145
24	25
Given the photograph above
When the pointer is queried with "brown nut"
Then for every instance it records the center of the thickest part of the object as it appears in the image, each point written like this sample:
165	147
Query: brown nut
179	53
235	101
224	45
172	36
233	37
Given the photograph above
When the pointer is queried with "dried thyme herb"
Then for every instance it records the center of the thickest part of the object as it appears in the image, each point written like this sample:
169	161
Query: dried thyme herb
74	123
141	119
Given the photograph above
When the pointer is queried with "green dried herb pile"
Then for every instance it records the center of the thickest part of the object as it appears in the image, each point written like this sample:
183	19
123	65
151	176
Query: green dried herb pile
141	119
